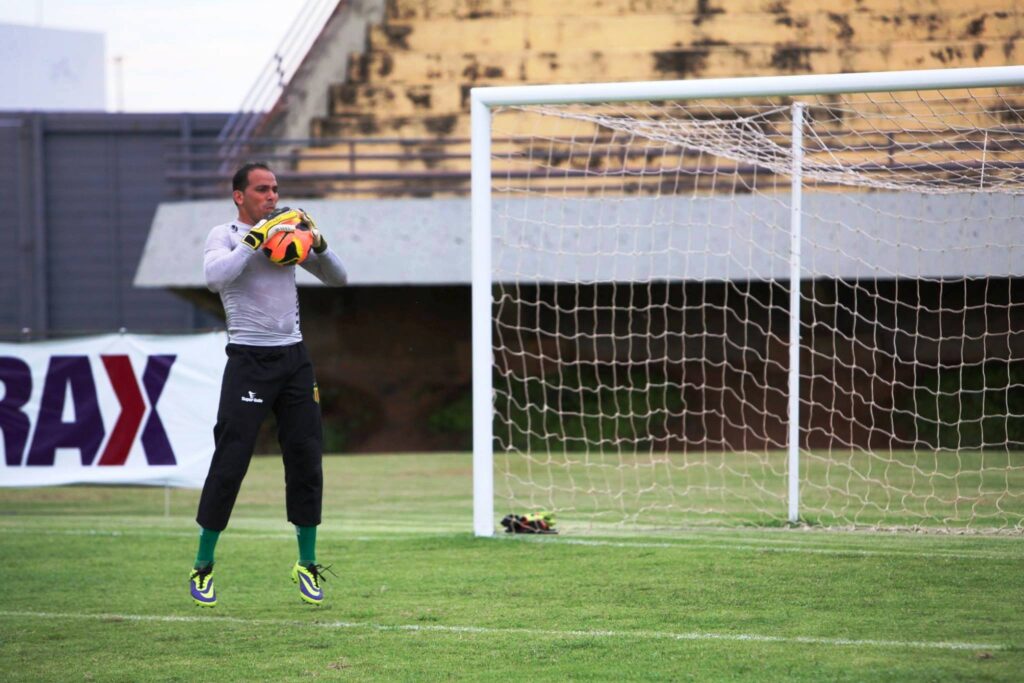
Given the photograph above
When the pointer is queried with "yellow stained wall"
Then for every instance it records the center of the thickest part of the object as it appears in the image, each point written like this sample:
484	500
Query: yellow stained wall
414	78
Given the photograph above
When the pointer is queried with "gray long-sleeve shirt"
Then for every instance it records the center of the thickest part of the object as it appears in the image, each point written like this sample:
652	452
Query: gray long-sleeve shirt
261	299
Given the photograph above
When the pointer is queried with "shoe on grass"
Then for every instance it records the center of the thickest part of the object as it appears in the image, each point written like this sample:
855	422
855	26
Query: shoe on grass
309	578
200	583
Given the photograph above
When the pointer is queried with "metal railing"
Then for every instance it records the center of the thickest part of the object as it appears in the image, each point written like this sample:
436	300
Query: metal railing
265	94
197	169
425	167
374	166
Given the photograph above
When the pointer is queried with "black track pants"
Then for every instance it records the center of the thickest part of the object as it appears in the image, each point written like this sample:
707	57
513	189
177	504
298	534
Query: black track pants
256	380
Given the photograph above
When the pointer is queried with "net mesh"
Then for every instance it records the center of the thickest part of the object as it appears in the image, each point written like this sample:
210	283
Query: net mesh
641	311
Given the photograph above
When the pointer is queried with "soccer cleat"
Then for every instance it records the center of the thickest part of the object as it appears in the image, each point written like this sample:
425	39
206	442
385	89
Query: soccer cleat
309	578
200	583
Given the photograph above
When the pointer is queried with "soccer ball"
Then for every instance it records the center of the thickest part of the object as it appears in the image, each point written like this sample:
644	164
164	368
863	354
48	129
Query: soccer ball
289	248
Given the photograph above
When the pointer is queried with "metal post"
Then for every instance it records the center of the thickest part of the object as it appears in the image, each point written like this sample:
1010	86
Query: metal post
483	410
186	161
41	256
795	216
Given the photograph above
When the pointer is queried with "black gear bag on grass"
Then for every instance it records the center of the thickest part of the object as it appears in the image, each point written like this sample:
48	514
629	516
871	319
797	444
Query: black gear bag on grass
533	523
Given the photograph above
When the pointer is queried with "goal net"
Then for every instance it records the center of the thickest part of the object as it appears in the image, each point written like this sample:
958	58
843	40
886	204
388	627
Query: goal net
755	309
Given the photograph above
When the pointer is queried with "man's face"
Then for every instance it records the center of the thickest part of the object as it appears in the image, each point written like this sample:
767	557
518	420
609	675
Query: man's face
259	197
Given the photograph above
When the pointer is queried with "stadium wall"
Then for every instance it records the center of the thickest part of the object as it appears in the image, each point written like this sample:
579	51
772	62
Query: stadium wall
393	348
78	192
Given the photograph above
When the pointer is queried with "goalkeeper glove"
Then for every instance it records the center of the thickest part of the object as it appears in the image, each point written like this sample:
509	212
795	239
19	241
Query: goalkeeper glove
276	221
319	243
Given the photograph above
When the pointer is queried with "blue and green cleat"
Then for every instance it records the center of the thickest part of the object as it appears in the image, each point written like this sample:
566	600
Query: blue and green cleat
309	577
200	583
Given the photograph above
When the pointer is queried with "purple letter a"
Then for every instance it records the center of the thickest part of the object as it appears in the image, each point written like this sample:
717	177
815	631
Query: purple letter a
86	432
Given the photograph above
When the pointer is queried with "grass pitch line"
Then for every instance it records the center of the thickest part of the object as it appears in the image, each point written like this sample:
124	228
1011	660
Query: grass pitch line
484	630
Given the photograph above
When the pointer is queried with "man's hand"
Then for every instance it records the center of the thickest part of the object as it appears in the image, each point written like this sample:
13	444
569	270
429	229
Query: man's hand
319	243
281	220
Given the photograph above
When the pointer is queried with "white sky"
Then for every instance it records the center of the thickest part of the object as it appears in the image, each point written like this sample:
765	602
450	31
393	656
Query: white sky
177	55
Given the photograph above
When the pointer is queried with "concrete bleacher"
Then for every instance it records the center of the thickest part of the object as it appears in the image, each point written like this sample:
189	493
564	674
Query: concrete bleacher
412	80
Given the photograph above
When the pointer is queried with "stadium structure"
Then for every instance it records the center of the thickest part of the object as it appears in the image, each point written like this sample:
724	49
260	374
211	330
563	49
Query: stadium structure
369	129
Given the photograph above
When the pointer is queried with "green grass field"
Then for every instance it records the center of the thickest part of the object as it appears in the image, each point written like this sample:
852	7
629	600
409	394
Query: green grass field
95	588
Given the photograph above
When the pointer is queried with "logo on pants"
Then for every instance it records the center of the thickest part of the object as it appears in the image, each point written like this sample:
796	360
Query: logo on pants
252	398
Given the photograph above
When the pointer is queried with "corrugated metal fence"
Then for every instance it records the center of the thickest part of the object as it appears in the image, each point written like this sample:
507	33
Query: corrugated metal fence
77	197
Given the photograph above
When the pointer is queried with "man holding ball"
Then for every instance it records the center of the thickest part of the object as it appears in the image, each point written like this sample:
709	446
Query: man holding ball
268	368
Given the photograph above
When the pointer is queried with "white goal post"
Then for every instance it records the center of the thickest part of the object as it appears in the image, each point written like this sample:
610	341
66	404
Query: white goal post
695	301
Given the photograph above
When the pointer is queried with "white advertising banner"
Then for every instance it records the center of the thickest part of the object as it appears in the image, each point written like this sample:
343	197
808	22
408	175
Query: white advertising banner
111	409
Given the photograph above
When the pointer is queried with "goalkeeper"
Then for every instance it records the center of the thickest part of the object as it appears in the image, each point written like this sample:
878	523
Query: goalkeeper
268	368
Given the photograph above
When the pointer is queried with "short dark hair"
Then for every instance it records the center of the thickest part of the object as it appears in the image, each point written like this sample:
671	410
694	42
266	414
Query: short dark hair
240	180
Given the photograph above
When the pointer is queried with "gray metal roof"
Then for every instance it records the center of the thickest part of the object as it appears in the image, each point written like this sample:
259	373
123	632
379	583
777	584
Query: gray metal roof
381	242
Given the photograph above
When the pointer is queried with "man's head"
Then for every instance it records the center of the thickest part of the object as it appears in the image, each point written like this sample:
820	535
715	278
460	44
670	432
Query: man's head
254	190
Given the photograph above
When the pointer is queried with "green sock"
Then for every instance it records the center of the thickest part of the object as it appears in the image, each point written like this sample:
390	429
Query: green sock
207	542
307	544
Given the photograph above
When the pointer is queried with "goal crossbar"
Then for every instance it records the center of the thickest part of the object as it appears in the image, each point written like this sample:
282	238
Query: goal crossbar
754	86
